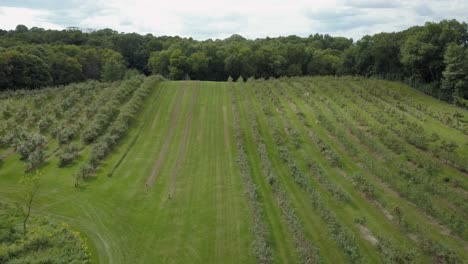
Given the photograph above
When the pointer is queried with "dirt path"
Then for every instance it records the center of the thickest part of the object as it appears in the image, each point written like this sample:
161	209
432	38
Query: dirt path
183	146
367	235
162	154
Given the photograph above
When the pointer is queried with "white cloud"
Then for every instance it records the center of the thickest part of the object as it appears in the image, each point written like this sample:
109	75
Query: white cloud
218	19
10	17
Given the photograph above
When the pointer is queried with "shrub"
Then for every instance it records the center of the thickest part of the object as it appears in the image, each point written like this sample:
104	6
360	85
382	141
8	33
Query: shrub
49	243
441	253
361	220
394	253
35	158
363	185
98	152
44	124
85	171
68	153
26	143
65	134
7	112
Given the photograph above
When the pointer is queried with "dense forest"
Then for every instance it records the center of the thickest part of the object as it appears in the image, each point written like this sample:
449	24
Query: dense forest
432	58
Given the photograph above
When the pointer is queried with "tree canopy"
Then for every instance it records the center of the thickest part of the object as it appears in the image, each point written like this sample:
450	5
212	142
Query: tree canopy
428	57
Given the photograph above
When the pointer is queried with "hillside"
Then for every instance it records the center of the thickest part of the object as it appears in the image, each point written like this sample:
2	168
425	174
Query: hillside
290	170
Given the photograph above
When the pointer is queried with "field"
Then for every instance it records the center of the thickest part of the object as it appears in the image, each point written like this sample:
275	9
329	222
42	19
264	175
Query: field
294	170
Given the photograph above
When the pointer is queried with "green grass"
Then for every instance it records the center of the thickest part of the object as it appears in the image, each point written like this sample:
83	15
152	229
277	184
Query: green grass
197	210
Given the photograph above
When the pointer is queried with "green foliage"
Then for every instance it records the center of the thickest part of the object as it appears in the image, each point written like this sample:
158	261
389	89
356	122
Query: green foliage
44	124
65	69
158	63
34	66
418	55
363	185
68	153
440	252
64	133
430	57
324	62
30	188
46	242
34	159
22	70
394	253
423	50
177	65
239	62
198	63
114	69
455	82
26	143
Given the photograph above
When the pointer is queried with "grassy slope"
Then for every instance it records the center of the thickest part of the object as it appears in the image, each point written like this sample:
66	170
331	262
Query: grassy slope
196	209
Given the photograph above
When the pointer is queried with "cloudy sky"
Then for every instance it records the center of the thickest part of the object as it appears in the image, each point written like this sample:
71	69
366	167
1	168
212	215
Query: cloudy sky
203	19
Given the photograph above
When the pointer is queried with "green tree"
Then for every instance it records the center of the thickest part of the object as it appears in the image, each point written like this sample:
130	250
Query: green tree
240	62
177	65
455	82
30	186
22	70
198	63
130	46
65	69
91	64
35	159
423	50
269	62
294	70
323	62
114	69
158	63
21	28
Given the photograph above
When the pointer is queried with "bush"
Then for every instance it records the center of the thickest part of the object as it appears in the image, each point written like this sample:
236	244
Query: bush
34	159
361	220
26	143
98	152
7	112
49	243
363	185
394	253
101	122
64	134
68	154
441	253
85	171
44	124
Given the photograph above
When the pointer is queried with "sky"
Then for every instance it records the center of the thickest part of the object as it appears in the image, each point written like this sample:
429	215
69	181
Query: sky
204	19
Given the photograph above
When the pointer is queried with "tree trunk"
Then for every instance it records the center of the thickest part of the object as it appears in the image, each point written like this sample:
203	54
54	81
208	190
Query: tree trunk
26	217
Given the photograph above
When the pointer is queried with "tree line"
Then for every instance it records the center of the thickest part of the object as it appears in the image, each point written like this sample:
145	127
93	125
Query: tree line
33	66
433	57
